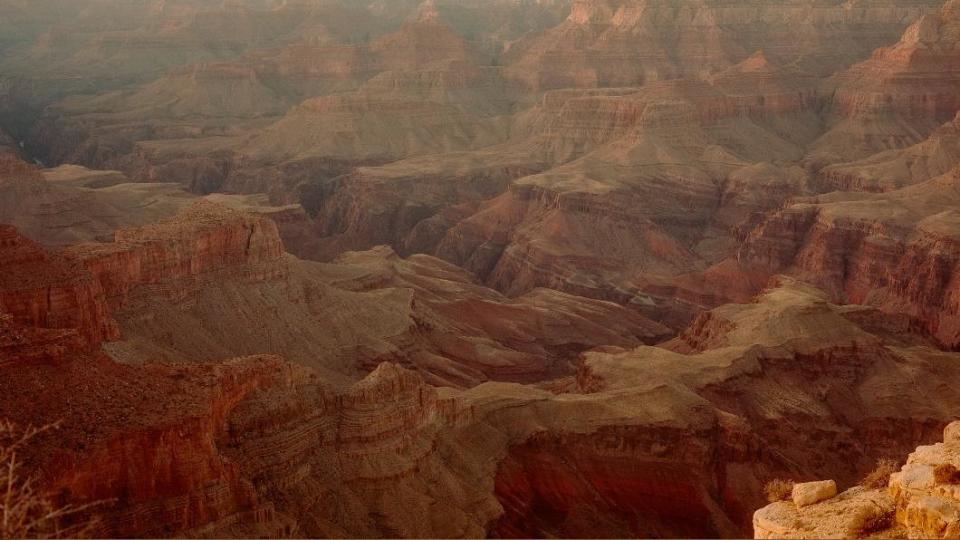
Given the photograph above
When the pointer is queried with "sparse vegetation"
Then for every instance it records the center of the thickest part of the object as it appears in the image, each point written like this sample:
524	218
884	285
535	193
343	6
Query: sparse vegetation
945	473
778	490
874	523
24	511
880	476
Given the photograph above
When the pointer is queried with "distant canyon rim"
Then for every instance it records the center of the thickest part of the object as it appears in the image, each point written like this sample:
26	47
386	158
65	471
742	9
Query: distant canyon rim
479	268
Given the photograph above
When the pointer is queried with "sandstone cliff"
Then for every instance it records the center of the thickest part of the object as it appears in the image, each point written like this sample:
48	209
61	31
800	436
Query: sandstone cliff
893	169
38	288
896	250
257	446
71	204
621	43
921	501
899	96
174	255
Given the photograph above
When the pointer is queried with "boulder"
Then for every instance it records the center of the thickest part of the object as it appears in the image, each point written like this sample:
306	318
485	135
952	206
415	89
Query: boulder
813	492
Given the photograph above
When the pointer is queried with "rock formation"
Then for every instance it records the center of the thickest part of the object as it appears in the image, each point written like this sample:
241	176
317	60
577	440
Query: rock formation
346	317
196	285
921	501
893	169
48	290
639	438
623	43
483	268
71	204
895	250
898	96
204	238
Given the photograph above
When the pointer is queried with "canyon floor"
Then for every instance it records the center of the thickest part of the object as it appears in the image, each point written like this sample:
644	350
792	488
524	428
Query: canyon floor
480	268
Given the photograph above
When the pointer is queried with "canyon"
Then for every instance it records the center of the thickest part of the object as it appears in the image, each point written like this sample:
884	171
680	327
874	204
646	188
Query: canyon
483	268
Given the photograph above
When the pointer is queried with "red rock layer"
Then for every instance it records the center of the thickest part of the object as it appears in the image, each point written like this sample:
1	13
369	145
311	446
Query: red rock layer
916	77
174	255
657	444
571	486
141	442
606	43
43	289
901	255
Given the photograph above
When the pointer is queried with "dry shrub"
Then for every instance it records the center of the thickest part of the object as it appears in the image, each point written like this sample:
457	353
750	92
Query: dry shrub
946	473
880	476
778	490
24	511
875	523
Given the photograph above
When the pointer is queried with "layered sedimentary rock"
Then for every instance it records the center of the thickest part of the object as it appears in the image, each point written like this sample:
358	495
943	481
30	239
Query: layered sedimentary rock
644	441
661	200
174	253
633	157
56	51
45	289
543	346
196	286
71	204
365	308
623	43
913	77
893	169
922	500
896	250
898	96
424	70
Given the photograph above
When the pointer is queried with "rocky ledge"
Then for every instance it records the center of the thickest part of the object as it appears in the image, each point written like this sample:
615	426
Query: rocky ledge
922	500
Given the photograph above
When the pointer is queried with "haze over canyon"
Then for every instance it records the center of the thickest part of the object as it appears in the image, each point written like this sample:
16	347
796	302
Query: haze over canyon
480	268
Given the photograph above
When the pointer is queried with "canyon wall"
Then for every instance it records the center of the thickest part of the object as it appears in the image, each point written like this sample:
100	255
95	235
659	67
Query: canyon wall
896	251
171	255
43	289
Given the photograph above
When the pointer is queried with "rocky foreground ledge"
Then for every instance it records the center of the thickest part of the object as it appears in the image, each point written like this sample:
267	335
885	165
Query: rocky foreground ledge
922	500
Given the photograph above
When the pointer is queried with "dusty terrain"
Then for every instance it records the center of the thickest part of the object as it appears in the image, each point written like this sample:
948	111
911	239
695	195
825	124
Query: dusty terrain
483	268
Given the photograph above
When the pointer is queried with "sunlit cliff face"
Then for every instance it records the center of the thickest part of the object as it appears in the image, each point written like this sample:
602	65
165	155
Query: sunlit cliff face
469	268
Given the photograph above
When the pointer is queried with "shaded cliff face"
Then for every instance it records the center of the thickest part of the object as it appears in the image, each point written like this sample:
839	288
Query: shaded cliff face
196	285
609	194
444	79
896	251
254	446
464	268
630	43
897	97
43	289
177	253
892	169
347	317
421	78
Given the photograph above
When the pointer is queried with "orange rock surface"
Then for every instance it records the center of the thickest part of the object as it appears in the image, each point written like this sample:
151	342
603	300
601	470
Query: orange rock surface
483	268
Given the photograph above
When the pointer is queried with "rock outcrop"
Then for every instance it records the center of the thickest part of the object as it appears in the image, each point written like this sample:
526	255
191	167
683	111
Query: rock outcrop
71	204
347	317
900	95
175	255
196	285
896	251
428	85
606	43
43	289
893	169
466	268
922	500
639	439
